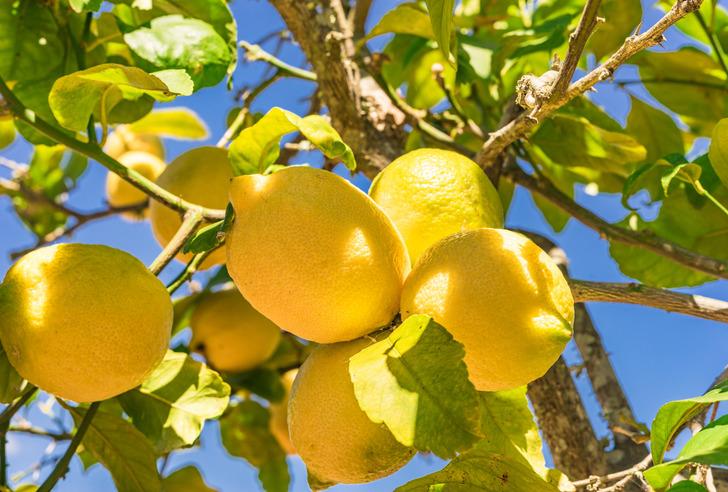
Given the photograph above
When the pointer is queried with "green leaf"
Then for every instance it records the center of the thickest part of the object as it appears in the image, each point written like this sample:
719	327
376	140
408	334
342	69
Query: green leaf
258	146
102	90
687	486
122	450
709	447
405	18
176	80
423	89
179	123
672	416
34	96
262	381
654	129
175	42
441	19
718	151
11	384
183	308
79	6
245	433
30	46
172	404
210	236
622	18
416	383
187	479
7	132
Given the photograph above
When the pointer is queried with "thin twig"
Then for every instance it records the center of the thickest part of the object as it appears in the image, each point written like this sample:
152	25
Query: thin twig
189	270
623	477
668	80
37	431
360	14
62	466
711	38
192	219
256	53
13	408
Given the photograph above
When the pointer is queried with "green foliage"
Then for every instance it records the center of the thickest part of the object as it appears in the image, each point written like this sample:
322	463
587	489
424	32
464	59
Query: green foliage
257	147
442	24
718	151
210	236
172	404
623	18
655	130
179	123
262	381
122	449
407	381
187	479
245	433
7	132
687	486
175	42
405	18
11	384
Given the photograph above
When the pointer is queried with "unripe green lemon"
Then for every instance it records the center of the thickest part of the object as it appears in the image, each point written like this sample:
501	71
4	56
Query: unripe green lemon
232	335
333	436
499	295
314	254
279	414
430	194
201	176
83	322
123	140
119	193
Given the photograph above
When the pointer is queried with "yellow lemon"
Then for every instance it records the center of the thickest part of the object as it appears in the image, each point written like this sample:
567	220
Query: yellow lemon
123	140
279	414
119	193
314	254
430	194
333	436
232	335
83	322
499	295
201	176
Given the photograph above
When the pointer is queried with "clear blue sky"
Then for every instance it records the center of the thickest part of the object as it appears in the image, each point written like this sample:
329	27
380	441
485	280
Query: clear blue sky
659	356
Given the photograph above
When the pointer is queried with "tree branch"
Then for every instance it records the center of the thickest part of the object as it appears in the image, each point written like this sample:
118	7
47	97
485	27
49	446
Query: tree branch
361	12
633	293
192	219
256	53
95	152
517	128
662	247
622	477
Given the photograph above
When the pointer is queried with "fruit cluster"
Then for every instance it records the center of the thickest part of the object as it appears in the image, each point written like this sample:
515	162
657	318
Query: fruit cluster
310	254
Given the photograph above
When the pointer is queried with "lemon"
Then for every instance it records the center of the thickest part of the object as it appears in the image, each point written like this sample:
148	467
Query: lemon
430	194
83	322
119	193
333	436
201	176
499	295
279	414
123	140
314	254
232	335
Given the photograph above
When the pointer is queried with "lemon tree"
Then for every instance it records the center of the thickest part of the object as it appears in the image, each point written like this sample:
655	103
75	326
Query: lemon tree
318	326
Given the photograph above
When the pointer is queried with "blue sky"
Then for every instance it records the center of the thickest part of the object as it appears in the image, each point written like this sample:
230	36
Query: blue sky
659	356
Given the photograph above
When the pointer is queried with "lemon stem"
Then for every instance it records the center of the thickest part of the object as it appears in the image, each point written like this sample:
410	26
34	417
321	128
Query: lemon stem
192	219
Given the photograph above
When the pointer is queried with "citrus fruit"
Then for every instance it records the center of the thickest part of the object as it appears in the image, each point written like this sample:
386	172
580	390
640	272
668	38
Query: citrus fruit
279	414
499	295
430	194
314	254
123	140
119	193
333	436
83	322
201	176
232	335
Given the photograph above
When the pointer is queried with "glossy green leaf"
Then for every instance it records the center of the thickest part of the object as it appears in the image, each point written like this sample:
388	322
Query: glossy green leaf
172	404
11	384
30	45
442	25
178	123
262	381
654	129
687	486
258	146
672	416
102	91
79	6
245	433
709	447
718	151
175	42
405	18
187	479
122	449
34	96
423	89
7	132
407	381
621	20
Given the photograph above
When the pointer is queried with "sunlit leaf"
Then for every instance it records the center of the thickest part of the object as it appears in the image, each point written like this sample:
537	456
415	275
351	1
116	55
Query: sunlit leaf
405	18
441	17
179	123
655	130
187	479
621	20
11	384
718	151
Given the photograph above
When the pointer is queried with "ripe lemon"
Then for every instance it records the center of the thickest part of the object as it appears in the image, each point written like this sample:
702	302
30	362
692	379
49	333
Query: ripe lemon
231	334
201	176
314	254
279	414
83	322
123	140
119	193
333	436
432	193
499	295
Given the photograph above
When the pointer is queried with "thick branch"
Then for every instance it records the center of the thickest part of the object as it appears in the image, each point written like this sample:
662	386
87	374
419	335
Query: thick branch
506	135
662	247
632	293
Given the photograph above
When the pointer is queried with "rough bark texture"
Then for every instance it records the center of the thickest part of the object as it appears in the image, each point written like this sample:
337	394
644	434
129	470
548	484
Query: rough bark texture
360	111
